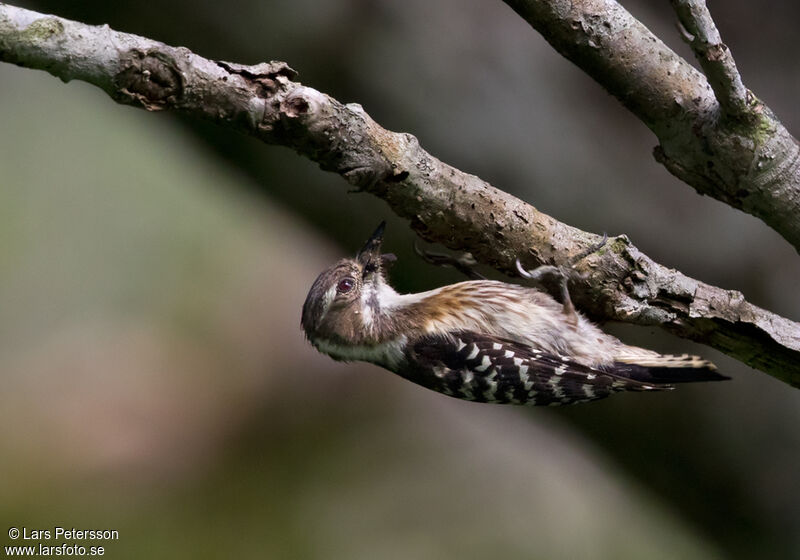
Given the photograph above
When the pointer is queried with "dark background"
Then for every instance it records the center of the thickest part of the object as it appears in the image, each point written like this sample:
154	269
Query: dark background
152	271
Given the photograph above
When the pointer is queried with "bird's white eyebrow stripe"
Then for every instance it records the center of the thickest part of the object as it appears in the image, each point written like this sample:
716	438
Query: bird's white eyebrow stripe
327	299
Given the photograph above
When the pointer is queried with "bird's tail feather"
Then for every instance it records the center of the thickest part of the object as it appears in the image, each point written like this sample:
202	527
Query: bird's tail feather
663	369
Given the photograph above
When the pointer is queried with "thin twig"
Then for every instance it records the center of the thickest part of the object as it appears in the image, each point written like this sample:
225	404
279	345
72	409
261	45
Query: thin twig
714	56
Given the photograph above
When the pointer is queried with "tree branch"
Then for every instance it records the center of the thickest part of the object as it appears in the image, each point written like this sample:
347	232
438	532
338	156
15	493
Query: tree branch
443	204
742	156
714	56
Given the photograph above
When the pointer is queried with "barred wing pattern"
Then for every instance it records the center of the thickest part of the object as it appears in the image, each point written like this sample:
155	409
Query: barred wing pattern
476	367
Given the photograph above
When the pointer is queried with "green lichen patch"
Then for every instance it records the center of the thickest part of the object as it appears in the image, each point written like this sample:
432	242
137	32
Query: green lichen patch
43	29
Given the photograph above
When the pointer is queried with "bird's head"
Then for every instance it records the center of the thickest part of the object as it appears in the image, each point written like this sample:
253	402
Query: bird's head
343	305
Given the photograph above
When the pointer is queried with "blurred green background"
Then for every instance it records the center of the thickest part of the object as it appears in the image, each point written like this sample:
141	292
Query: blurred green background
154	378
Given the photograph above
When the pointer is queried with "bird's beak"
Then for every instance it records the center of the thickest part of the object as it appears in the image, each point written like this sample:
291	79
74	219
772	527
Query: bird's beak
370	257
371	251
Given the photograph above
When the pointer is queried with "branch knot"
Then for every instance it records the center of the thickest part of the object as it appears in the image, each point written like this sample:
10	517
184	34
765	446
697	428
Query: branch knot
149	79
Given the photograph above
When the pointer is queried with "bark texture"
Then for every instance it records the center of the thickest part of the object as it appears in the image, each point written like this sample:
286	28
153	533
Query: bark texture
442	203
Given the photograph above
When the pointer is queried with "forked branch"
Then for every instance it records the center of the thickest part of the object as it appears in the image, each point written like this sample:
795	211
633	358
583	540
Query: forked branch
724	141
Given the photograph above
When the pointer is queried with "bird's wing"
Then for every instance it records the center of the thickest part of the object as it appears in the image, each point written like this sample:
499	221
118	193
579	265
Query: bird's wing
483	368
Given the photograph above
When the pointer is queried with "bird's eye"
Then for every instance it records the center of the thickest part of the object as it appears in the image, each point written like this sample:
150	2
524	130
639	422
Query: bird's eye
345	285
